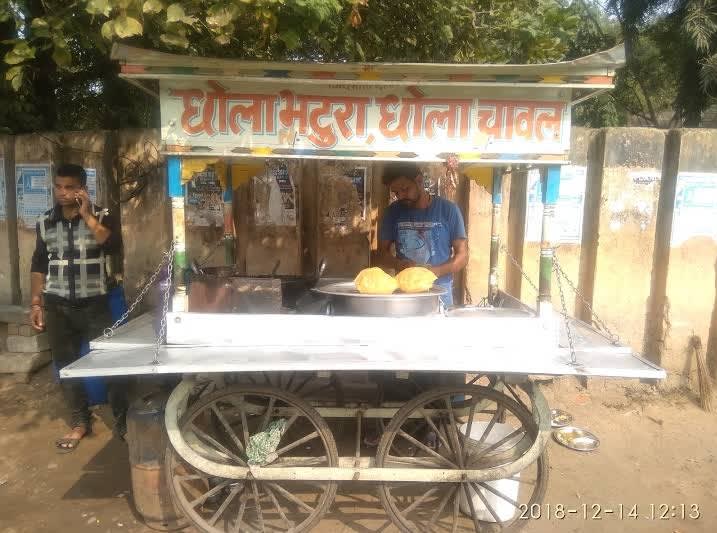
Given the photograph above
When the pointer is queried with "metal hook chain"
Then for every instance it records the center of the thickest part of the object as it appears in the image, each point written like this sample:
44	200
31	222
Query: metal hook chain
571	342
168	259
614	338
519	267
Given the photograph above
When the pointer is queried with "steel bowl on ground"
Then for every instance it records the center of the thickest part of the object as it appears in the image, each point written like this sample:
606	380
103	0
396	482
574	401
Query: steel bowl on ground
576	438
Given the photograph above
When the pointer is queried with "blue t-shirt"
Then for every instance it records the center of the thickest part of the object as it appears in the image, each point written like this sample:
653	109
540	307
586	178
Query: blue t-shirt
424	236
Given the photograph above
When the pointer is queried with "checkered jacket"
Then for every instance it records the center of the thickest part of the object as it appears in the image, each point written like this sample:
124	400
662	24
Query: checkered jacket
68	254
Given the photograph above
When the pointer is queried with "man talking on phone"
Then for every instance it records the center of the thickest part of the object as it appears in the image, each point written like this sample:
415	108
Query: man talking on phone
69	289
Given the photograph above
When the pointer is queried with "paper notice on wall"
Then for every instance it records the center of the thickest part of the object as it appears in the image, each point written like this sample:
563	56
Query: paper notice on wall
275	197
92	184
3	197
34	192
204	204
568	210
695	207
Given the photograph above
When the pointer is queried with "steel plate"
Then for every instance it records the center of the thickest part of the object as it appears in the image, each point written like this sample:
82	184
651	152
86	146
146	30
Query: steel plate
560	418
576	438
347	288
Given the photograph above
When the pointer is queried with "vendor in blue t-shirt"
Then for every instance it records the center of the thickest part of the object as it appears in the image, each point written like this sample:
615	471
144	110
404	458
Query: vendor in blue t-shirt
426	230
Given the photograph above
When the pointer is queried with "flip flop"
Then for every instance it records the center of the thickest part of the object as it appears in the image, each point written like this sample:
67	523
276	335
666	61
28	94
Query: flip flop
68	445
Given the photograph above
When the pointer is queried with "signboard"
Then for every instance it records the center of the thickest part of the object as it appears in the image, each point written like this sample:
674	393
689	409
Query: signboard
34	192
364	121
204	203
568	210
695	207
3	198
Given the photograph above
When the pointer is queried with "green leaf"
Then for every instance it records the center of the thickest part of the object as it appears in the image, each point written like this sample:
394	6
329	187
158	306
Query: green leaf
40	27
222	39
20	53
127	27
15	76
290	38
219	16
173	39
175	13
62	56
108	30
99	7
153	6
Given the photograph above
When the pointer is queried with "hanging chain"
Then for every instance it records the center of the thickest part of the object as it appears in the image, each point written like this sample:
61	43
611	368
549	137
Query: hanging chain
614	338
519	267
566	318
167	259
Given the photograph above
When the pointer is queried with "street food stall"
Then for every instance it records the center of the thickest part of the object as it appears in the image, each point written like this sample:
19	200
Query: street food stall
283	367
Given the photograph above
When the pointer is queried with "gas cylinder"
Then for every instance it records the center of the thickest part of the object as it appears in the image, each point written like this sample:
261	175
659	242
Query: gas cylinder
147	441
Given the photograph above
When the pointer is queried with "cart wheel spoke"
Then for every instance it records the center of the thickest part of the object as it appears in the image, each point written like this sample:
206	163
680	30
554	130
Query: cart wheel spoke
278	508
204	497
240	514
419	501
471	506
299	442
455	506
426	449
289	496
223	507
229	430
487	505
219	447
253	505
257	502
500	495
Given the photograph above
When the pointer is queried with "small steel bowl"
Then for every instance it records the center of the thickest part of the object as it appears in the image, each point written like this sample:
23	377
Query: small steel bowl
576	438
560	418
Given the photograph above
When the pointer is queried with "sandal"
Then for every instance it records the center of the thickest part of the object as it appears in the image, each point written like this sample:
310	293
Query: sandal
68	444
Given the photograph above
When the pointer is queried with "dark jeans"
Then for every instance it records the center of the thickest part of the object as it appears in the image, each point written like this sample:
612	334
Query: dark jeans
68	323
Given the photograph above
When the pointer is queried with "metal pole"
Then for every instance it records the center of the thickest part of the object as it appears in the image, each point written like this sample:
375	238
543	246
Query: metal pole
229	235
495	233
176	194
550	178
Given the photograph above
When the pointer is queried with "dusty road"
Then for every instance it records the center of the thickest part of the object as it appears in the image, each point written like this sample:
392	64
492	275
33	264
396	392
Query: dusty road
656	449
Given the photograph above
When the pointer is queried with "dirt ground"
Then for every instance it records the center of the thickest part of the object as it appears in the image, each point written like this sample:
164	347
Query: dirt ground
657	447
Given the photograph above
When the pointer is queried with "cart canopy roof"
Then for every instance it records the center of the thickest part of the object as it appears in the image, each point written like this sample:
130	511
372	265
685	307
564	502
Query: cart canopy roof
493	114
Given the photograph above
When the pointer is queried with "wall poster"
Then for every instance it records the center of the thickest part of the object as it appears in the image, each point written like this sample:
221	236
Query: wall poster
568	210
204	206
275	196
695	207
34	192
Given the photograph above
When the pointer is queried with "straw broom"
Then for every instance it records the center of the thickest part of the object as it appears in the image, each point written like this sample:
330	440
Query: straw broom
703	377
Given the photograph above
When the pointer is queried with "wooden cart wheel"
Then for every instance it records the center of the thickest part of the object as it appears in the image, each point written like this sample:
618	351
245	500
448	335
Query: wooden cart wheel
220	427
446	415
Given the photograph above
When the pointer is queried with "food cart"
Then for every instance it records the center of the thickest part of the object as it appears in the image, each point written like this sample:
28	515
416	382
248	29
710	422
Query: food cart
276	398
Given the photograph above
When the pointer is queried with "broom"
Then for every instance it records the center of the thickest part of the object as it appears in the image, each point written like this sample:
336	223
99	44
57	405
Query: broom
703	378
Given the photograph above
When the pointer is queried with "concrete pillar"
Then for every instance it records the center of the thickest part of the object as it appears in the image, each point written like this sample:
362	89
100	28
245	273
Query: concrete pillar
619	228
33	149
9	262
685	249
